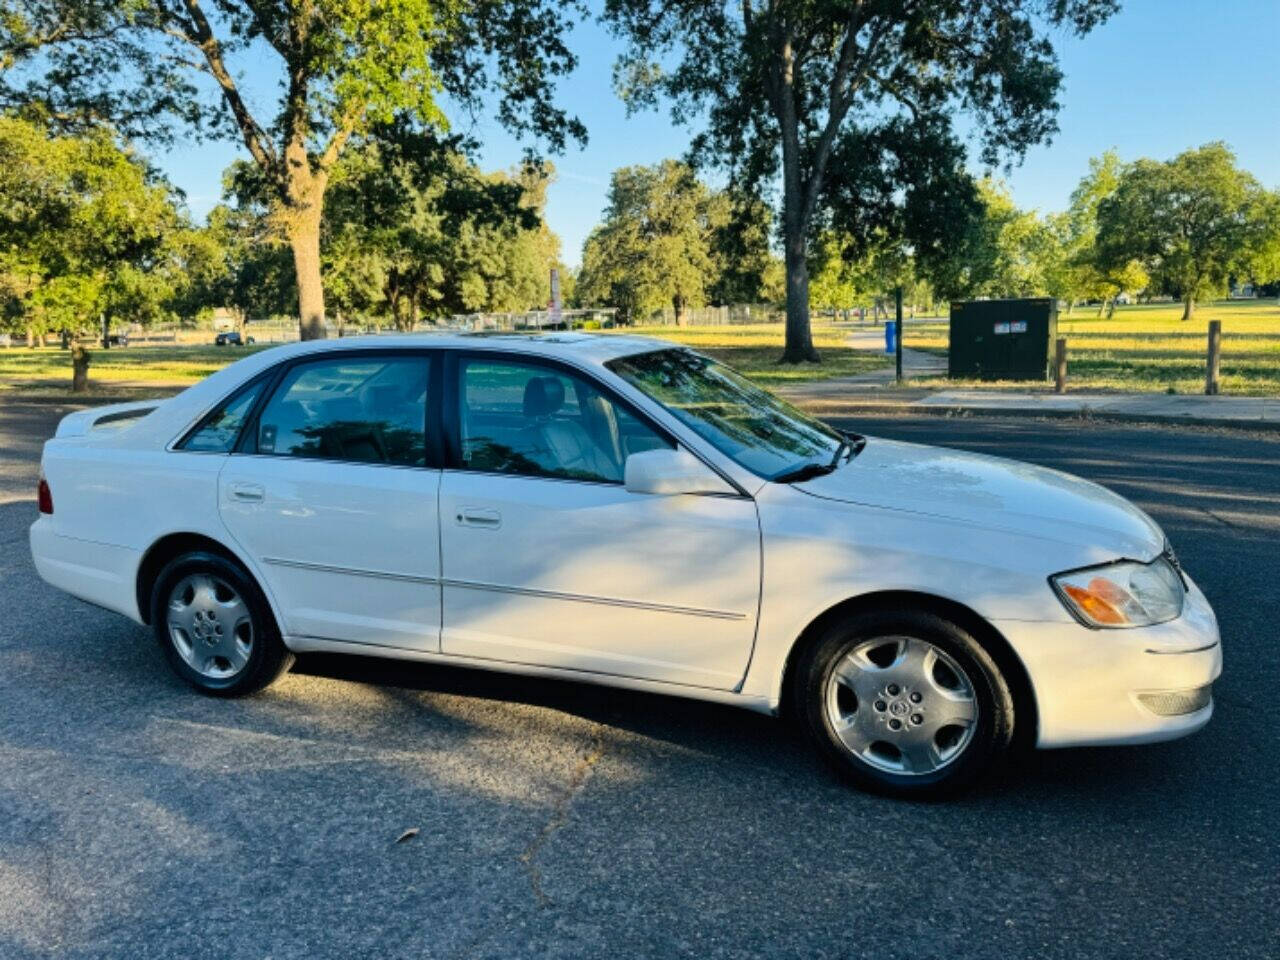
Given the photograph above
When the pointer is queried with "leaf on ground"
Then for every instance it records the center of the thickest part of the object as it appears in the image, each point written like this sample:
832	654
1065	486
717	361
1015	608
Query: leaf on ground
407	835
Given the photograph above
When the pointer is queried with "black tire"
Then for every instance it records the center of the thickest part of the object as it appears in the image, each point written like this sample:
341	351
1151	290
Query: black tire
990	735
266	658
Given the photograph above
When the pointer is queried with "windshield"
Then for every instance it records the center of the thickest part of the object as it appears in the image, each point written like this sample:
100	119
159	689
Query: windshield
762	433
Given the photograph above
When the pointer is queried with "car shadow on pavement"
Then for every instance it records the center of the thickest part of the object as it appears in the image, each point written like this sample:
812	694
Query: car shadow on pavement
737	735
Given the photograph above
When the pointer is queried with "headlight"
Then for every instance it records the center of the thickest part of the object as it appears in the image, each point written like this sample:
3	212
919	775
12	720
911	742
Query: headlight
1122	594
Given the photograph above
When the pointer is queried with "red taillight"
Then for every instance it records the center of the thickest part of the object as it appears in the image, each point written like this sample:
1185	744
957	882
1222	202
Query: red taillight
45	496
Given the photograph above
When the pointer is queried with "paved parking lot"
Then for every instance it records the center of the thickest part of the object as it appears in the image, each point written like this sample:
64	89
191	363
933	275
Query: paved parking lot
139	820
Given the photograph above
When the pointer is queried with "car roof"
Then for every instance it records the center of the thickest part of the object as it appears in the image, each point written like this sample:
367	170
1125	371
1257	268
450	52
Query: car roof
590	348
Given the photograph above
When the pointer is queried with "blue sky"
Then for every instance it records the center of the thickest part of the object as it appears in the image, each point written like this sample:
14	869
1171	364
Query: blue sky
1161	76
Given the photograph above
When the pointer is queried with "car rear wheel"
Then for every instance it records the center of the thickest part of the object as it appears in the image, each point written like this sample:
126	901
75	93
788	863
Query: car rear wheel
215	626
903	702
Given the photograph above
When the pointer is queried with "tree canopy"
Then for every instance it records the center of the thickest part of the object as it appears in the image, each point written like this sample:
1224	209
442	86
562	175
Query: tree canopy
157	67
850	104
86	230
1190	221
667	240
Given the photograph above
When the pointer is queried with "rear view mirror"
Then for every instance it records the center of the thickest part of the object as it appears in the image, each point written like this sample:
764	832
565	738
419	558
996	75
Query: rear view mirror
669	472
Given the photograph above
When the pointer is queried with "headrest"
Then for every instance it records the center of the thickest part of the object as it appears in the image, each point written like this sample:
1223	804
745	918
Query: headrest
543	396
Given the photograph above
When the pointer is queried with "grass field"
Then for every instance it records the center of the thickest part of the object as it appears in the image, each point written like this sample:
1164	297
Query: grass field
1149	348
1142	348
145	371
117	372
753	349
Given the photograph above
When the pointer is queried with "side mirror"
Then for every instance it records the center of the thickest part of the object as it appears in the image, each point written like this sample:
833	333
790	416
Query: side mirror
670	472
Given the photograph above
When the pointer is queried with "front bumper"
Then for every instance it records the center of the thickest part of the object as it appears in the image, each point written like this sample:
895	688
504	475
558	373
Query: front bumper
1121	686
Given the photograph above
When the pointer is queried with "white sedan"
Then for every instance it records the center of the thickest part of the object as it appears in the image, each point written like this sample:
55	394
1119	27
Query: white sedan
623	511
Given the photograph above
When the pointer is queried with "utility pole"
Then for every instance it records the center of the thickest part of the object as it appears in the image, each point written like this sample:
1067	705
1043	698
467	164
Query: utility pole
897	328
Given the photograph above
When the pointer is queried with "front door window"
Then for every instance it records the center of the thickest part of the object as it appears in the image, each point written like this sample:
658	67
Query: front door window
535	420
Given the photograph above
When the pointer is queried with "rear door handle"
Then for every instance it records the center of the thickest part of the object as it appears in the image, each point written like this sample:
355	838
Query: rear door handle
478	517
247	492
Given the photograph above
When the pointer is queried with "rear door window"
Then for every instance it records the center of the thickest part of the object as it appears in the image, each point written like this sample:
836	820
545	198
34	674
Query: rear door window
220	429
351	408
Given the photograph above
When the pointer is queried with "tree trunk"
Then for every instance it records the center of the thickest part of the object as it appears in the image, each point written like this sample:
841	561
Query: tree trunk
1188	306
1102	308
79	369
31	337
304	238
1111	308
677	304
799	340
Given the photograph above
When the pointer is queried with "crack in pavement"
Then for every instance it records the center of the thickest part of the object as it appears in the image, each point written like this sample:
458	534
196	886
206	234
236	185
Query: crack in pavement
560	816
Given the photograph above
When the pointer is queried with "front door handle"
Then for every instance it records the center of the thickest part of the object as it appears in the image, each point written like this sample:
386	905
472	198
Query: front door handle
247	492
479	517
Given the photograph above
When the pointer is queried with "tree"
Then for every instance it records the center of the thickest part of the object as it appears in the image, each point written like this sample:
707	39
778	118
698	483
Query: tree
86	231
414	228
653	247
1190	221
1006	252
1079	272
152	66
1262	263
234	262
865	89
744	267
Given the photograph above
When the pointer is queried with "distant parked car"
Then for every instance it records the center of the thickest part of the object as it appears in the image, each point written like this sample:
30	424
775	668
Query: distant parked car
621	510
231	338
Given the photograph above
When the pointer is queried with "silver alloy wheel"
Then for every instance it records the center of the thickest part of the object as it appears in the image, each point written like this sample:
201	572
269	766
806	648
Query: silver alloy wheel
210	625
901	704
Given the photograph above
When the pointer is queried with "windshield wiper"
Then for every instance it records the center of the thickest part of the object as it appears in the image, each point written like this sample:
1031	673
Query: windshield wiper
806	471
850	446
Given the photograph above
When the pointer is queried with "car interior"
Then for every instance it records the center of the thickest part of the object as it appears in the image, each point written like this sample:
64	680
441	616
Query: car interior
372	412
518	418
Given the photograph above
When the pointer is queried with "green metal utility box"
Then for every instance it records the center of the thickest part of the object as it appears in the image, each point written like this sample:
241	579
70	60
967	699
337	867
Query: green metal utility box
1002	339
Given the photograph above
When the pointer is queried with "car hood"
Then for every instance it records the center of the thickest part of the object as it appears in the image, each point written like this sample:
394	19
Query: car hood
991	493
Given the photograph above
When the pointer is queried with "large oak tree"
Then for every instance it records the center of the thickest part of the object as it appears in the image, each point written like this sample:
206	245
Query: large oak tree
850	104
1191	222
156	68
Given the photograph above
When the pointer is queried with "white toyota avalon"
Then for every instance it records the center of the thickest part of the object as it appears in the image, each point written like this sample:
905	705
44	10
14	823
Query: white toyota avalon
623	511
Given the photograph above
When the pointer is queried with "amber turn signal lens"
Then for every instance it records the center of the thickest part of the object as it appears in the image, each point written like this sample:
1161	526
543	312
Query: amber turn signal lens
1094	602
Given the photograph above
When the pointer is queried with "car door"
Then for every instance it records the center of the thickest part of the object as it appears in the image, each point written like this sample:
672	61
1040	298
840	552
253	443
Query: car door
549	560
334	495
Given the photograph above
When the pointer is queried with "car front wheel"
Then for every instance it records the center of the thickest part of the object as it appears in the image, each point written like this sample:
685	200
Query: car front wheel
903	702
215	626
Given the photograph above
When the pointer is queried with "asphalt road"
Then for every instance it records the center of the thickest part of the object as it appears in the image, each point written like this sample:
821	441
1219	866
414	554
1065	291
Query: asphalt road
140	820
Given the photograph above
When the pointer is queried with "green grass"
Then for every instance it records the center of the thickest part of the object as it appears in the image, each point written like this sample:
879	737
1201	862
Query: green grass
1144	348
147	371
119	371
1149	348
753	350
